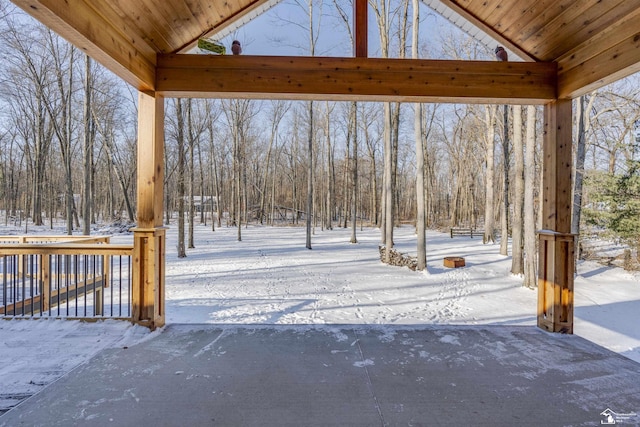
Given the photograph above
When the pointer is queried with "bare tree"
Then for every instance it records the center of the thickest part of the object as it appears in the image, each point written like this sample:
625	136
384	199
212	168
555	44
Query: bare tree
380	10
582	119
313	33
489	200
420	185
61	117
191	140
278	111
238	113
331	171
309	176
530	252
506	158
180	139
88	147
367	121
517	261
115	162
30	76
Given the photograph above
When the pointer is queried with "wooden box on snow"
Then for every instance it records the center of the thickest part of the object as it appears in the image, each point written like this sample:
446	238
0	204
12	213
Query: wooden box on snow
453	261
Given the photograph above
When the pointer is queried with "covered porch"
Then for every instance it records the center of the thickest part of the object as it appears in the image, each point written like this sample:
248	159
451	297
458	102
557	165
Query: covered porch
593	47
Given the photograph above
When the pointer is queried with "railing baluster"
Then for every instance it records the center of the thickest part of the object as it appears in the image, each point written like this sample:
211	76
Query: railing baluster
24	283
120	293
4	284
59	280
111	258
32	281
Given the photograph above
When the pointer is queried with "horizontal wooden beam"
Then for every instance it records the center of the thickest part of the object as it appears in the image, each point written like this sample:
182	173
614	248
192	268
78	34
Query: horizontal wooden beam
363	79
605	58
102	35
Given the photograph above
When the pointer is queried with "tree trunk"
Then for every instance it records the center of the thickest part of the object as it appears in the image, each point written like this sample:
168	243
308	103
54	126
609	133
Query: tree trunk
310	176
216	186
517	261
181	166
373	178
417	130
345	176
530	251
388	179
489	199
581	113
387	222
65	143
395	144
504	239
331	173
237	174
354	174
88	148
192	177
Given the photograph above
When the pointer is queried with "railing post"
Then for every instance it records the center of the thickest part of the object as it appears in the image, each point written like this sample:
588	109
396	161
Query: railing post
149	237
106	266
45	282
555	281
556	263
21	240
148	278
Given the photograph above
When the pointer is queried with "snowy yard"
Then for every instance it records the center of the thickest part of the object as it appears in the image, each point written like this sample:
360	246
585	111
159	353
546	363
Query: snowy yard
271	278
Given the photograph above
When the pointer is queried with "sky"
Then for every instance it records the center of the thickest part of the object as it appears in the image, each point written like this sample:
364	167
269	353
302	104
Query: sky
278	31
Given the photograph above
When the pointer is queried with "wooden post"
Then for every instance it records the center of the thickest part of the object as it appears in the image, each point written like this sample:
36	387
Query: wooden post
149	236
360	28
556	264
45	283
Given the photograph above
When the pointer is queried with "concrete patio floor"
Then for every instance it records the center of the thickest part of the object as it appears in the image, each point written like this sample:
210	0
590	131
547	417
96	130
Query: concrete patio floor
212	375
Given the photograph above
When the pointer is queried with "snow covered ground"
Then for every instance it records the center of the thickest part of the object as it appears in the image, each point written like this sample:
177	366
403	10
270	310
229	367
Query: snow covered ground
271	278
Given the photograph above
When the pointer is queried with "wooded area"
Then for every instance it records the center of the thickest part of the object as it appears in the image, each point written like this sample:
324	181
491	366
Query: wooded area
68	150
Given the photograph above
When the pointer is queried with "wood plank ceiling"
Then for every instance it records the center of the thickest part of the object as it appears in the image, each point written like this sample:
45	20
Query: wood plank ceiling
594	42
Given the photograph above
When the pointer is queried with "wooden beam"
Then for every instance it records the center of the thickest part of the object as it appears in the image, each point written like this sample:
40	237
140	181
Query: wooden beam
360	79
455	6
150	160
556	261
149	237
556	170
360	28
604	59
109	40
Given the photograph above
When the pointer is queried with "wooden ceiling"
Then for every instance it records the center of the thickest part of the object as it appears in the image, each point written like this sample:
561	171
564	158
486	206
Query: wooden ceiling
593	42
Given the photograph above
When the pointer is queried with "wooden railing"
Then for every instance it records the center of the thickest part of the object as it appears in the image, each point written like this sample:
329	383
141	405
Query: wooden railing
465	231
74	277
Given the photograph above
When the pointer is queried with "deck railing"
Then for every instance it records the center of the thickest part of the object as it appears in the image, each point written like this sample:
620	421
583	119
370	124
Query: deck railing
71	277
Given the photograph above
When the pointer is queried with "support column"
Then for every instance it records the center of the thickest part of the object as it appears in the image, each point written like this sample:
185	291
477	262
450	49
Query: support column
556	263
149	236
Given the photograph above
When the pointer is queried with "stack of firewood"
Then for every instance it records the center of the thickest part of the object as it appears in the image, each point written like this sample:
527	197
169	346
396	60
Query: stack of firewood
398	258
